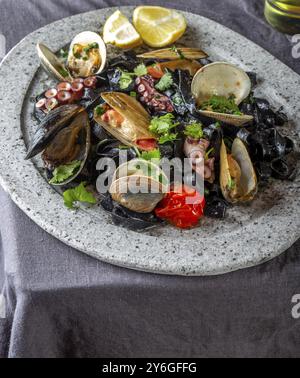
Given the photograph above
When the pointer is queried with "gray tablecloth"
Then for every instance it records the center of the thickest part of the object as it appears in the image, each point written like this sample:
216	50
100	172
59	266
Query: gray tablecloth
61	303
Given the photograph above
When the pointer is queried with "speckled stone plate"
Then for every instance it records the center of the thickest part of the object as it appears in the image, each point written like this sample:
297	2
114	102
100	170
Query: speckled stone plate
250	235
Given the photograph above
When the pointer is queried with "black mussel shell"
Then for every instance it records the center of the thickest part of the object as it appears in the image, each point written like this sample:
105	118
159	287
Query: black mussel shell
127	218
51	125
285	168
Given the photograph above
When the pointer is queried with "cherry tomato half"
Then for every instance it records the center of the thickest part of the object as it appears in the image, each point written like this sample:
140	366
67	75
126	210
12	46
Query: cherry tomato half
182	207
156	71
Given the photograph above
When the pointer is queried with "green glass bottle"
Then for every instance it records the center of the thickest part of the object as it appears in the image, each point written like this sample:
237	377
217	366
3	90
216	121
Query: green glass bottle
283	15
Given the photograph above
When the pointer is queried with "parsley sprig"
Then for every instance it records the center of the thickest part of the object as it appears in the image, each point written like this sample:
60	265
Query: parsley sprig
78	194
165	82
63	172
127	77
153	155
194	130
163	126
221	104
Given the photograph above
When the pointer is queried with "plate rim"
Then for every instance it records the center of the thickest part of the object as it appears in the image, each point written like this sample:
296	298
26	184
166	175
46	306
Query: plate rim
50	228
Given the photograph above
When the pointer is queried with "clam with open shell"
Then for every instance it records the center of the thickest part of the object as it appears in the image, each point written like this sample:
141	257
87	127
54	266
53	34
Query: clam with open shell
126	120
238	179
87	57
139	186
223	80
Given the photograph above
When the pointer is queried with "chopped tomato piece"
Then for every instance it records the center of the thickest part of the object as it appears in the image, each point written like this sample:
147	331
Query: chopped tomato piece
156	71
183	207
146	144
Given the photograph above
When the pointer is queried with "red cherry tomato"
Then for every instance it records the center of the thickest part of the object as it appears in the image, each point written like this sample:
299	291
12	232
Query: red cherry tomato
156	71
182	207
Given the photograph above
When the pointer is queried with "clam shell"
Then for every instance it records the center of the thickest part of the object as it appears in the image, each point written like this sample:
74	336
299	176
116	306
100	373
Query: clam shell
150	179
231	119
221	79
141	167
85	38
245	187
170	54
145	201
137	119
52	64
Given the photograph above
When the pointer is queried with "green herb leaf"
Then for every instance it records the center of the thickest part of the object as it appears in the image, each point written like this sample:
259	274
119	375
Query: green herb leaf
151	155
178	52
194	130
163	124
63	172
133	94
99	110
165	82
141	70
221	104
90	47
231	184
63	53
167	138
162	127
78	194
126	79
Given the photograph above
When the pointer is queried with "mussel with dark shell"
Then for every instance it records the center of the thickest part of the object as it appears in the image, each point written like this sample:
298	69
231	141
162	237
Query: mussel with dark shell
64	141
51	125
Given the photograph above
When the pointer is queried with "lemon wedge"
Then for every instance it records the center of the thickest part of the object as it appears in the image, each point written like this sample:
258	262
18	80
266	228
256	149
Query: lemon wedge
120	32
159	27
